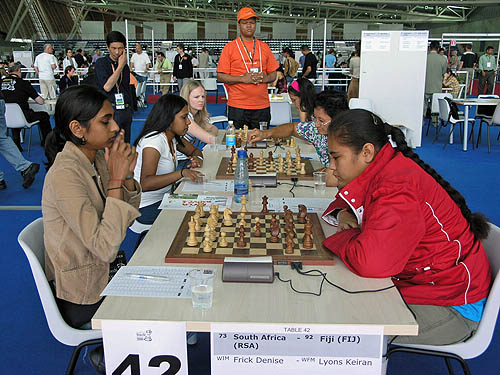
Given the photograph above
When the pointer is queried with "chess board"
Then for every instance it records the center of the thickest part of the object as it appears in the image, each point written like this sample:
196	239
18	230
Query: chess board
223	174
180	252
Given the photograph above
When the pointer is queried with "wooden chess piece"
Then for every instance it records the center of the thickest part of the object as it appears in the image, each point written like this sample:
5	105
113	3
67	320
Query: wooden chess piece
270	155
289	240
230	168
273	220
202	211
302	168
301	217
242	219
257	232
241	241
275	232
197	222
288	170
192	241
228	220
244	203
307	240
223	242
207	246
264	204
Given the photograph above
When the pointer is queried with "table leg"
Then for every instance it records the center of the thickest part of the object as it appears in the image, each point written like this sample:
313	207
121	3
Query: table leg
466	126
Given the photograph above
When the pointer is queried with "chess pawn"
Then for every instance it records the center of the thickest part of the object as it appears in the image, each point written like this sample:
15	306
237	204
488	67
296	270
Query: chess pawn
192	238
288	142
244	204
197	222
230	168
302	168
288	170
241	242
202	211
250	185
280	168
257	232
223	241
291	245
307	240
275	232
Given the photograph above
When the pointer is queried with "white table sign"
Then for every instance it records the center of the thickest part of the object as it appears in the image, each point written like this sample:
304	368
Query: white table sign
245	349
145	347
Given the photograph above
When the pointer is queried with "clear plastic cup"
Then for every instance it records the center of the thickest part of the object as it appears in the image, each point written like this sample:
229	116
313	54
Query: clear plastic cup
263	125
202	288
319	181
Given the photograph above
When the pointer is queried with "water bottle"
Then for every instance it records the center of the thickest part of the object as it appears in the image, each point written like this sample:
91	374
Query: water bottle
230	136
241	177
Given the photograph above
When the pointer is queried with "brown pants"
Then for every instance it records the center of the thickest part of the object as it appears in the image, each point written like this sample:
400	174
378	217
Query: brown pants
165	78
353	91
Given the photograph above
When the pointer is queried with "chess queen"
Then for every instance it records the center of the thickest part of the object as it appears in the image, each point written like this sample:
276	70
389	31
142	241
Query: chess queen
157	144
399	218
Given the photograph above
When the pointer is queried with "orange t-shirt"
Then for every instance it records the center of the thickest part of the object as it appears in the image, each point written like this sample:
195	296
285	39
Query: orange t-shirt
247	95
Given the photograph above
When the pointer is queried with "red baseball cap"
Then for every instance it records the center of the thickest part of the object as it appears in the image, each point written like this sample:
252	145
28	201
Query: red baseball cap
246	13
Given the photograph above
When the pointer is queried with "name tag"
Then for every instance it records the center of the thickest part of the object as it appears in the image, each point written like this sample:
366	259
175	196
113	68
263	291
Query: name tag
180	66
119	101
254	70
488	64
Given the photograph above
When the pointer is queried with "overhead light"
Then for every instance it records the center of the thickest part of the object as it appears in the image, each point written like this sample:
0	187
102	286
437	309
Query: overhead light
268	11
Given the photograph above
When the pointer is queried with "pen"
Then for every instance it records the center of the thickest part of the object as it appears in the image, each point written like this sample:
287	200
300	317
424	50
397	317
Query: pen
148	277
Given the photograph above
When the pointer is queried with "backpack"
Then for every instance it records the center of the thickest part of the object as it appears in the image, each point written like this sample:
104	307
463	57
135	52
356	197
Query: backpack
453	109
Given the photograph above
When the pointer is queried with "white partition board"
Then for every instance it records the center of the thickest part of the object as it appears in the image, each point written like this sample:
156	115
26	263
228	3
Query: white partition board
120	26
160	29
216	30
284	30
393	65
185	30
92	29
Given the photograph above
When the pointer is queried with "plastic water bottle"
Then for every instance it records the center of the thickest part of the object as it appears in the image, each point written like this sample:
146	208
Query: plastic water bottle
241	177
230	136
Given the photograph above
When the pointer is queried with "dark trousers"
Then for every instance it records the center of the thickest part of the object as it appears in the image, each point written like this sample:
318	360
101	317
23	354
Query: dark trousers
123	118
43	125
149	213
250	117
486	81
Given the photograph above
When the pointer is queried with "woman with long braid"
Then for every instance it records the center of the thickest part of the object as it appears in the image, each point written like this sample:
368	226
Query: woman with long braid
399	218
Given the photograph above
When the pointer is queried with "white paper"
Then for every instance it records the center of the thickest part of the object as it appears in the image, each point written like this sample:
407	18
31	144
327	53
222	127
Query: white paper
126	284
216	186
146	347
312	204
413	40
247	349
190	201
375	41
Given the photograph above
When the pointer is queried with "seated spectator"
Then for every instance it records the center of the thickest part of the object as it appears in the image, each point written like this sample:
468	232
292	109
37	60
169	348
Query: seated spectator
157	144
68	79
89	199
280	81
450	80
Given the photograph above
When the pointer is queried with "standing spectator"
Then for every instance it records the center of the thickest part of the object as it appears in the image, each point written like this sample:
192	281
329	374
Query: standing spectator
45	64
69	59
113	75
164	68
80	58
453	63
98	54
310	64
290	65
436	67
302	58
354	69
183	68
196	63
17	90
204	62
330	62
246	66
69	79
10	152
140	64
442	54
340	60
467	63
488	71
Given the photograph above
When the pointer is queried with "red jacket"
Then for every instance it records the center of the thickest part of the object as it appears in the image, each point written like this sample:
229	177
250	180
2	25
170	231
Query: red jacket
411	230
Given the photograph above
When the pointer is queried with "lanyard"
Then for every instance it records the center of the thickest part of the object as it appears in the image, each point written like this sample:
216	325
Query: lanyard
246	50
121	77
241	53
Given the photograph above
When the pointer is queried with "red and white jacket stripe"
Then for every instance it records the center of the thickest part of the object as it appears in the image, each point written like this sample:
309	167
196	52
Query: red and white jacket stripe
411	230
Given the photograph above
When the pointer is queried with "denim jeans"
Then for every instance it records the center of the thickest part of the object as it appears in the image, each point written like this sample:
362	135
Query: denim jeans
141	86
7	147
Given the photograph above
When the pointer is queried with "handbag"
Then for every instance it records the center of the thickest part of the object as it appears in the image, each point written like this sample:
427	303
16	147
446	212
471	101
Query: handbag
120	261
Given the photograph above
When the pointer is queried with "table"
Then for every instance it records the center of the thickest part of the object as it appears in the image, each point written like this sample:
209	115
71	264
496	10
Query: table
469	103
280	98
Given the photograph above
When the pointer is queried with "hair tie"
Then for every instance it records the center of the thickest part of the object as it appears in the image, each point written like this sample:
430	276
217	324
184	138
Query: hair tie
393	144
295	85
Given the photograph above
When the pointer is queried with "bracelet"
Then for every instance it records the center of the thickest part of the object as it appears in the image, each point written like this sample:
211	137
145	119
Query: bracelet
114	188
181	172
129	177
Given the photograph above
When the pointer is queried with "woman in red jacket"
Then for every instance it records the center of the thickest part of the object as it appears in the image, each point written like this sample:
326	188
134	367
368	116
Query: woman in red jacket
399	218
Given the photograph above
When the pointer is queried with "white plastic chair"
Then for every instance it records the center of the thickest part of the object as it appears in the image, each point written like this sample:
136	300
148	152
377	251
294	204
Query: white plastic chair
210	84
14	117
216	119
435	106
446	118
31	240
483	113
360	103
477	344
281	113
493	121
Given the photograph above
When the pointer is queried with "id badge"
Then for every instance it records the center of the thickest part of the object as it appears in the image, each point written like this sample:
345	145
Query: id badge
180	66
254	70
488	64
119	102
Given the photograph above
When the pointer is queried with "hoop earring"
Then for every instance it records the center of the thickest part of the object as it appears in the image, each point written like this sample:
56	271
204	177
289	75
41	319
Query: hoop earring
83	140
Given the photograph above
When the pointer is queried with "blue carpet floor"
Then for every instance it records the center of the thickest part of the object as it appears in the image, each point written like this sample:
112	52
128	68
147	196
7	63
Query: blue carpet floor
473	173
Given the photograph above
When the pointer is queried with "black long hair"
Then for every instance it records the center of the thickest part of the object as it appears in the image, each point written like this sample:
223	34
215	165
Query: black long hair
162	116
80	103
306	94
332	102
357	127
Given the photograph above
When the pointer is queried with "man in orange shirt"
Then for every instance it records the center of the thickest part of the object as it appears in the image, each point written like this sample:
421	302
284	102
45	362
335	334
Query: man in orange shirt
246	66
